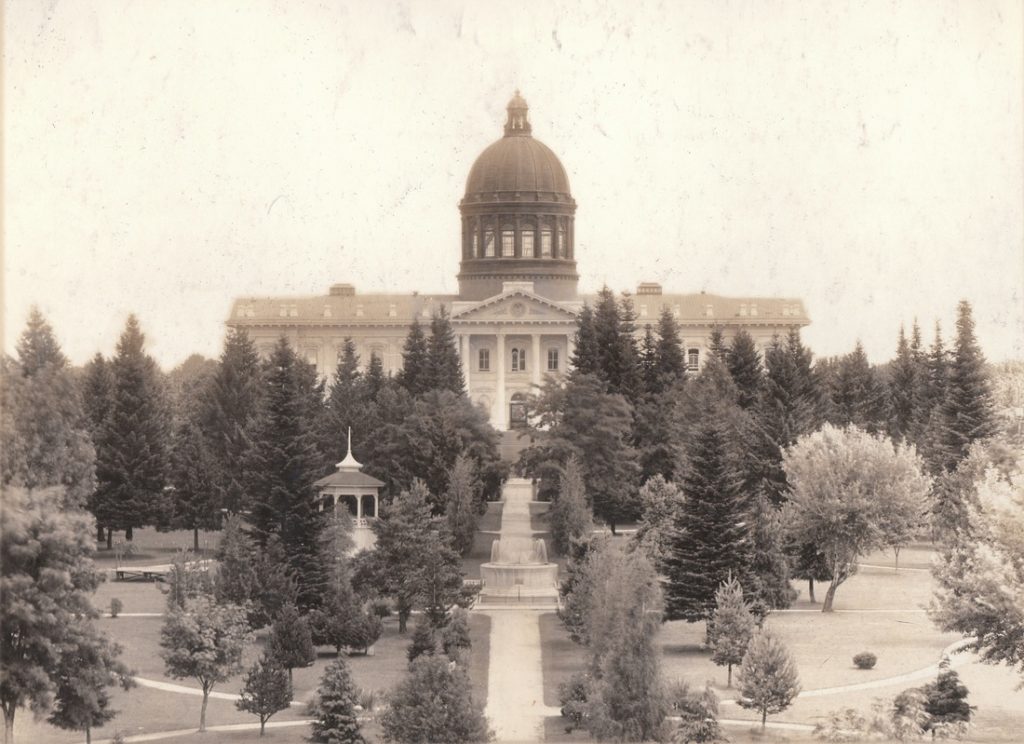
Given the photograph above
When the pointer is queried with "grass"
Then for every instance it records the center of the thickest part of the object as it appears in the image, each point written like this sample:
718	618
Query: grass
153	547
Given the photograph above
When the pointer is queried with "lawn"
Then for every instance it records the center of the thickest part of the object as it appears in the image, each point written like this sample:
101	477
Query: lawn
153	547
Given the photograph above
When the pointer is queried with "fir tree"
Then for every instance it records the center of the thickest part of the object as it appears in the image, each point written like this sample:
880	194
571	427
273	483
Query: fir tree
282	466
435	703
97	393
946	700
670	360
585	358
617	355
444	367
648	362
334	710
235	578
744	364
732	626
345	406
767	679
710	538
717	346
37	346
267	689
228	415
903	387
290	644
133	450
415	374
769	566
858	397
569	515
928	434
967	413
375	377
193	503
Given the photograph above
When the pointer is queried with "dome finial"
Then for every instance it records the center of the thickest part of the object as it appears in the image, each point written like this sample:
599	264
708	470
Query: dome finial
518	123
349	463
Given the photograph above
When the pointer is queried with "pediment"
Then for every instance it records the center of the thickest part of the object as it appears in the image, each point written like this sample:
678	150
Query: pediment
517	306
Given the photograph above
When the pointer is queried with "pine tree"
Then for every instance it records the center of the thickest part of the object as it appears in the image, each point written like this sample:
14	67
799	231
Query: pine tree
710	539
375	378
133	450
903	387
282	466
967	413
461	508
585	357
193	503
44	434
235	578
434	703
569	515
228	413
346	407
767	679
97	393
929	437
617	355
267	690
744	363
670	360
731	626
290	644
415	374
444	367
334	710
717	346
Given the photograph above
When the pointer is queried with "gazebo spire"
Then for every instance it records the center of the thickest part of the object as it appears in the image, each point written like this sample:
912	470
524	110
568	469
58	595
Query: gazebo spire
349	464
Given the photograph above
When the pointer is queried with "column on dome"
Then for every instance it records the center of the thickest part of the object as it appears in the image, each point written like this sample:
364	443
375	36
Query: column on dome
501	406
535	363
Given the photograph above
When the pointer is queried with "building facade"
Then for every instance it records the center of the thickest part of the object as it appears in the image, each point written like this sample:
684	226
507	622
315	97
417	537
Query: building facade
515	313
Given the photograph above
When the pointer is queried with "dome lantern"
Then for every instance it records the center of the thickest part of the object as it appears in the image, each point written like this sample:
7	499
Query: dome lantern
518	122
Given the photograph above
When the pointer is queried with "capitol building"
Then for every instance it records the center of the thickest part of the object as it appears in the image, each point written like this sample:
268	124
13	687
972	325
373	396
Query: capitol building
515	312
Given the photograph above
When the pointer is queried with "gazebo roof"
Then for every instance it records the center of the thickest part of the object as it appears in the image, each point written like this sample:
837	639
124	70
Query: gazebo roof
348	478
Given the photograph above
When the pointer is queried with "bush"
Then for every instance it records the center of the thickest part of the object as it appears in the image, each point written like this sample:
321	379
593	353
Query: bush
865	660
381	608
115	607
572	695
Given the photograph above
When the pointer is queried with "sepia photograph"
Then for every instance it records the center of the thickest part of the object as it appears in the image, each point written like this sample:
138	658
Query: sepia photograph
444	372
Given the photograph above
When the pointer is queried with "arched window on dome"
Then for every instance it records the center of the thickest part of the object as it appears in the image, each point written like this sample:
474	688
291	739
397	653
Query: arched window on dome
545	240
508	241
489	243
526	236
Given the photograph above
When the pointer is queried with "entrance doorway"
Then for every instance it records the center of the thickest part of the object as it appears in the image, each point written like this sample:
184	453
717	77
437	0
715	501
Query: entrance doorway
517	411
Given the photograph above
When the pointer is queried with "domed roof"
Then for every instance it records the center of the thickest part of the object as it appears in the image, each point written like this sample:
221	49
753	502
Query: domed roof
517	162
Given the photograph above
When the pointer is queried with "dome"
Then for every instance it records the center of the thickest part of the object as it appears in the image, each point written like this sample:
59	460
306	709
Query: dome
517	162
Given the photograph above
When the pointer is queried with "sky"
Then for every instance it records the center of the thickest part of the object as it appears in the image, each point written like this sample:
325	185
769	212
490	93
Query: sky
163	157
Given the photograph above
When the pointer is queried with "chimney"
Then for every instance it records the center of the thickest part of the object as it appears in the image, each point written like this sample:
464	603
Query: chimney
342	290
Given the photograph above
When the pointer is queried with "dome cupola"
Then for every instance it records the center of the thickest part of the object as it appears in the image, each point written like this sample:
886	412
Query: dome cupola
517	216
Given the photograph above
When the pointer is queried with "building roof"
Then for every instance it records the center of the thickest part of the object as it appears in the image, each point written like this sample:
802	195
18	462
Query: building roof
352	478
400	309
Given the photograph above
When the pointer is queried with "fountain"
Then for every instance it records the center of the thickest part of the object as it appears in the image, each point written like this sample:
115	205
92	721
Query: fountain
519	568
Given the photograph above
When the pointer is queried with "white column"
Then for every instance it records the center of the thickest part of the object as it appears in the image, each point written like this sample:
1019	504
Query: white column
466	360
359	506
501	405
535	369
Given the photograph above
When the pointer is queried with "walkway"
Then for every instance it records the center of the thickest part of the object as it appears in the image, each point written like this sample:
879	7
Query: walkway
515	682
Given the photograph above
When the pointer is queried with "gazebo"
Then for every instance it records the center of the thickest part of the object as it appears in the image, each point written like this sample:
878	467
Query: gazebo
359	492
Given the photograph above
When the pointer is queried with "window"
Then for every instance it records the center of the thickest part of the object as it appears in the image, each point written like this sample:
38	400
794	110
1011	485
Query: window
518	360
552	360
327	311
392	311
545	244
489	243
508	243
643	311
359	311
693	359
753	310
743	309
527	238
484	360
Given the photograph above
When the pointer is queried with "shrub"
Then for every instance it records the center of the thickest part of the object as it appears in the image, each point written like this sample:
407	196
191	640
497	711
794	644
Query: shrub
367	699
115	607
381	608
572	695
865	660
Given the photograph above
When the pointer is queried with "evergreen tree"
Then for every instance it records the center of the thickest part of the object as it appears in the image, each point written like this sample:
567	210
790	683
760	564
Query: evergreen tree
946	700
767	679
415	374
903	389
228	414
658	434
717	345
346	405
769	565
375	378
967	413
617	355
133	449
334	710
744	363
731	626
192	503
928	428
444	367
455	637
97	393
585	357
660	501
235	577
710	539
670	360
434	703
290	644
44	434
423	642
267	690
648	362
858	397
569	515
698	717
282	466
461	508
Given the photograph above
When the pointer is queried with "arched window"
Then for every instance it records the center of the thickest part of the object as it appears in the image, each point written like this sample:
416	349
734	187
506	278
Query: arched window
508	241
545	241
560	248
518	360
476	244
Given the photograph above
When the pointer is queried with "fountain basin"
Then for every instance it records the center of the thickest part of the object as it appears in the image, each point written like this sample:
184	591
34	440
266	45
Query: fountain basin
519	578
